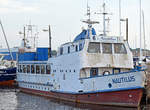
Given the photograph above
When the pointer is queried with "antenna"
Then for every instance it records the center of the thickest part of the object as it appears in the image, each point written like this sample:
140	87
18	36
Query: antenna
88	11
89	21
104	13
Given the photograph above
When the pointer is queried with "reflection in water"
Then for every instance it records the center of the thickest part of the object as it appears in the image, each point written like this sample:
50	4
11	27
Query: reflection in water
22	101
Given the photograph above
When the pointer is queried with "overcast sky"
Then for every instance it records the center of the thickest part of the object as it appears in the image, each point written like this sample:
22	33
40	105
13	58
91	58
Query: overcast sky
65	17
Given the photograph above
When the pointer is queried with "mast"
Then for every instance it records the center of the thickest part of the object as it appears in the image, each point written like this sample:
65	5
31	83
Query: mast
119	17
50	47
89	21
104	13
104	24
24	36
6	40
144	34
140	34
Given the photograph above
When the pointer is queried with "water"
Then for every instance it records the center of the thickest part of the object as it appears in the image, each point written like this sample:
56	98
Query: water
11	100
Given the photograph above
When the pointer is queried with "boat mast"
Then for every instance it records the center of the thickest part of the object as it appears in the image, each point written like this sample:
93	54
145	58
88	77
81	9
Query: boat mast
89	22
6	40
140	34
144	34
104	23
119	18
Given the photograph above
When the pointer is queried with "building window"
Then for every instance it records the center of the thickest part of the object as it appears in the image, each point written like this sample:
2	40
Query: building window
107	48
61	50
94	72
120	49
69	49
94	47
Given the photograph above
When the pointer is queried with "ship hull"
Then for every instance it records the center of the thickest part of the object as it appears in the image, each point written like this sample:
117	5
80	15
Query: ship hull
129	98
7	83
7	77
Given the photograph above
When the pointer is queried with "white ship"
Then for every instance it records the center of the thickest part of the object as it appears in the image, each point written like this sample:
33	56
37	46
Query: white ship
93	69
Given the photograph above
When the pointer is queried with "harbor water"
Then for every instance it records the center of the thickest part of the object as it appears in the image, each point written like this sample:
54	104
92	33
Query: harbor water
11	99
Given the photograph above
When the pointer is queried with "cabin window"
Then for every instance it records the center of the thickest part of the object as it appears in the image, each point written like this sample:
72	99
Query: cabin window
37	69
80	47
76	48
107	48
42	69
83	73
32	69
116	70
61	50
28	68
94	72
24	69
69	49
64	77
120	49
94	47
19	69
48	69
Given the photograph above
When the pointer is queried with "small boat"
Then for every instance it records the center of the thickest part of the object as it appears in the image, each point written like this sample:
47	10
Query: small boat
7	73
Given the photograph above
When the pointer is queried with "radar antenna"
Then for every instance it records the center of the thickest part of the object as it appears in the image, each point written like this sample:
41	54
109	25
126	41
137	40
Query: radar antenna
104	13
89	21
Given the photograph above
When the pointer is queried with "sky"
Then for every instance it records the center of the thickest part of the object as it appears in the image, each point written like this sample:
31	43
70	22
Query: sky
65	18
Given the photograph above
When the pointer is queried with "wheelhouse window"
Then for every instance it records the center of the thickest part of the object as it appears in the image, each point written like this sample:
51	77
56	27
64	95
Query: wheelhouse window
107	48
48	69
94	47
120	49
94	72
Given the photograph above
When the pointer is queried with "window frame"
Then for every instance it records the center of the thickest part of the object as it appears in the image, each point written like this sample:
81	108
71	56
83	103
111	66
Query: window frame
99	50
106	49
125	50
